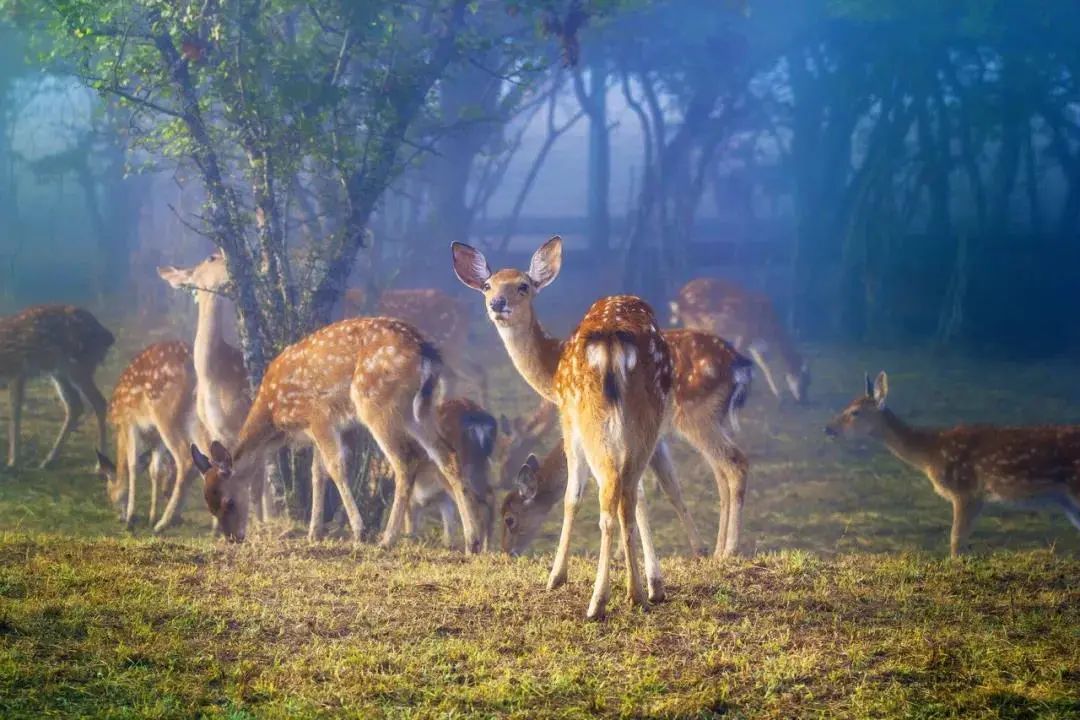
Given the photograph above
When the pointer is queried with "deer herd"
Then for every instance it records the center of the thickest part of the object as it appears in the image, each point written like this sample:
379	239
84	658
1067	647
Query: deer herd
619	387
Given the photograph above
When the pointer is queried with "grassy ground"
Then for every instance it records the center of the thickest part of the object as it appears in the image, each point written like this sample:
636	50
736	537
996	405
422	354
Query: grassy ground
843	604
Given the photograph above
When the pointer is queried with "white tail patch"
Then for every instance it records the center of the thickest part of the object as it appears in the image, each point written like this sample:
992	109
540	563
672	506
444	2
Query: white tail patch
596	354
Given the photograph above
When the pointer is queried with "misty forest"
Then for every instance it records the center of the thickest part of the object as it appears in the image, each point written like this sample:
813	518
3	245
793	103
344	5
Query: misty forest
540	358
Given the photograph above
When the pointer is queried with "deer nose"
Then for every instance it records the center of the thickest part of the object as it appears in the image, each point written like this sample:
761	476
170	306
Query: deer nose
498	304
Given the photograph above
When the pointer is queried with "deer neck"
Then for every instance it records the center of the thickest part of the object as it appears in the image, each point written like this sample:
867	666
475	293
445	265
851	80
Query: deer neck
535	355
911	445
210	343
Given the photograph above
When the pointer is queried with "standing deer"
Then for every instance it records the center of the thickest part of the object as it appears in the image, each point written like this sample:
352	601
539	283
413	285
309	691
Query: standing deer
152	408
711	383
378	372
611	381
749	321
65	343
441	317
222	398
970	464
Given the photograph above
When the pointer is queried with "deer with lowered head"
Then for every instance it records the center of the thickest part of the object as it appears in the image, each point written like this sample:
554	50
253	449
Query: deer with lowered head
64	343
152	409
749	321
971	464
612	381
376	372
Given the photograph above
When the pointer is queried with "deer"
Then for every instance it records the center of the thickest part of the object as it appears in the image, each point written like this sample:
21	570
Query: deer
750	322
380	373
969	465
441	317
222	397
152	409
611	381
711	383
62	342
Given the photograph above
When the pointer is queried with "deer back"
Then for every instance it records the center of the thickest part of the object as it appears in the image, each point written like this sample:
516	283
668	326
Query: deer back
44	338
162	372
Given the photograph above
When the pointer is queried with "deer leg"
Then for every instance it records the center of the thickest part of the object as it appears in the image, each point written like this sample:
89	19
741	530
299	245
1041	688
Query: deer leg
132	463
611	503
449	519
652	564
965	510
759	359
576	478
736	468
318	498
665	474
16	394
328	444
158	479
174	437
73	410
83	380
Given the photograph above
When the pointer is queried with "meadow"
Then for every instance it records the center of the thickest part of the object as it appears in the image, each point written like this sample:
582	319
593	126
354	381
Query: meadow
843	603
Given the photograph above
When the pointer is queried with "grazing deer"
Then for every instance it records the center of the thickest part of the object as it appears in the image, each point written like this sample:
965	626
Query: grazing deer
222	397
970	464
711	382
442	318
65	343
377	372
611	381
152	408
749	321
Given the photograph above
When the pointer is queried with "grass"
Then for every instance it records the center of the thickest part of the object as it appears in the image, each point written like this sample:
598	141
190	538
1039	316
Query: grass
843	604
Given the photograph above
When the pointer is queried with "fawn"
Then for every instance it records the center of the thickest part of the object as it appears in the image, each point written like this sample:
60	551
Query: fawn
65	343
222	397
970	464
611	381
378	372
441	317
749	321
711	383
152	408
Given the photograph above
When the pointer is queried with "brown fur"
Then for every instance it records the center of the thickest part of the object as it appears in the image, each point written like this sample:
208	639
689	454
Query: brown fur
152	407
611	381
378	372
711	380
441	317
749	321
970	464
65	343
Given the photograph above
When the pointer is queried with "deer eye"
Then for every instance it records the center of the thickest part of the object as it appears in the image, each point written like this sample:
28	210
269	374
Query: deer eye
523	288
487	286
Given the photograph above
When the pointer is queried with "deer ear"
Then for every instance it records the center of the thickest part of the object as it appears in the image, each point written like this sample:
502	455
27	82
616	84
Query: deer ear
526	480
174	276
201	461
104	464
220	456
470	265
546	262
869	385
881	389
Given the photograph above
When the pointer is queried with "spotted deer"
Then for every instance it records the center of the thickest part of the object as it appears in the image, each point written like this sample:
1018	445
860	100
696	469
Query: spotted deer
376	372
970	464
152	409
611	380
222	397
442	318
749	321
711	383
64	343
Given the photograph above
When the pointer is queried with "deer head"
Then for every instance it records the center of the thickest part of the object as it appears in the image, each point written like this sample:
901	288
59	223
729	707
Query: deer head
864	415
522	517
508	294
210	274
226	492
